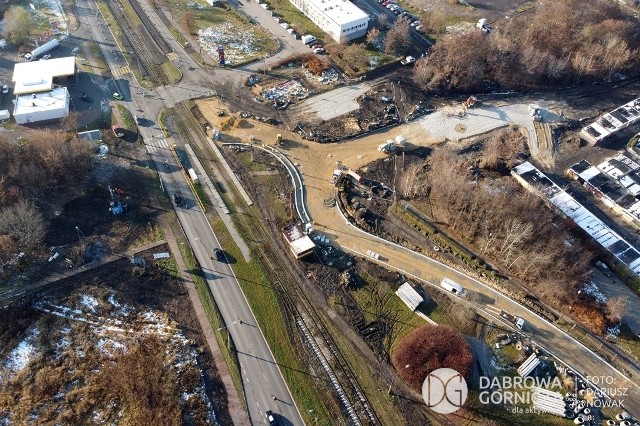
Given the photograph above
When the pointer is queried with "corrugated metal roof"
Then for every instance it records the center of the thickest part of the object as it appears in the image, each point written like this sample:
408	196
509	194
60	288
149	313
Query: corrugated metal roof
409	296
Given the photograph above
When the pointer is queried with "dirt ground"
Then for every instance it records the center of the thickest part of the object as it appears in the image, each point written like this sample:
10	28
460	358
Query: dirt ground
85	331
489	9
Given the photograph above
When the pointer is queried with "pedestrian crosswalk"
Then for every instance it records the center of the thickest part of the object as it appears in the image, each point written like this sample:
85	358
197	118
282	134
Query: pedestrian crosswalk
156	144
121	71
172	56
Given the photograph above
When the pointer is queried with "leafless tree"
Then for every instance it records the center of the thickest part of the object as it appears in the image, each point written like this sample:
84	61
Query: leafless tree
383	20
372	36
23	222
616	308
189	22
17	25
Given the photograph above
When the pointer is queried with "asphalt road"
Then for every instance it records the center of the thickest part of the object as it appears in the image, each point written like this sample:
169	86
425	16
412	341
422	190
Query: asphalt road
264	385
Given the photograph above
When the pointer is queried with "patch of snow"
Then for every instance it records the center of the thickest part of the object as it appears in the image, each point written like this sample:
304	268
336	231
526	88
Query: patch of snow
90	302
112	299
592	290
20	357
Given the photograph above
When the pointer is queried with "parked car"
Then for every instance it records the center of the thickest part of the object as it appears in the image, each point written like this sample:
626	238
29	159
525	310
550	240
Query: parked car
316	46
285	25
177	199
5	89
117	96
415	23
419	28
397	11
318	51
291	30
295	35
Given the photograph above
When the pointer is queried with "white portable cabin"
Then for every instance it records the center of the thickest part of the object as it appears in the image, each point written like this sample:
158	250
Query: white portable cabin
451	286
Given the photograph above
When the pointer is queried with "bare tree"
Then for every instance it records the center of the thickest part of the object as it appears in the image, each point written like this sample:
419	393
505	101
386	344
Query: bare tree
616	308
17	25
383	20
24	223
372	36
189	22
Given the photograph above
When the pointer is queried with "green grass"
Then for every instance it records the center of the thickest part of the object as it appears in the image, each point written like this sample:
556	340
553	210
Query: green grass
524	7
178	36
133	16
172	72
264	303
111	23
162	120
97	58
126	116
170	266
289	13
214	317
202	195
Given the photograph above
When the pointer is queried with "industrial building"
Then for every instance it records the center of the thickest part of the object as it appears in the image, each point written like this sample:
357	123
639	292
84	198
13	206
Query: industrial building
616	182
536	181
299	243
341	19
39	89
42	106
612	122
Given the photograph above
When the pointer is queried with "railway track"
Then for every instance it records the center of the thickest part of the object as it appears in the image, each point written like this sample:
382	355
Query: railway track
301	312
148	59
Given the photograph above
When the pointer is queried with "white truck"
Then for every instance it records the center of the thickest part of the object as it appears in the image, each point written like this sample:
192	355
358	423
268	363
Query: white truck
517	321
51	44
408	60
308	39
451	286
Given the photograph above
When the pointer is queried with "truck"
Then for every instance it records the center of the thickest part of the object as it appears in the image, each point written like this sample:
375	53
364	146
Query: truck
308	39
517	321
451	286
51	44
408	60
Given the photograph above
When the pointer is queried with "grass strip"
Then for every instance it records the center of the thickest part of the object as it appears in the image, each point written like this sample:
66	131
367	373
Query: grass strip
214	317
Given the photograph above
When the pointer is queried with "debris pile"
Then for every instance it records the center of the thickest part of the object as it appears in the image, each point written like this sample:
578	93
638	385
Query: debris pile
237	45
289	90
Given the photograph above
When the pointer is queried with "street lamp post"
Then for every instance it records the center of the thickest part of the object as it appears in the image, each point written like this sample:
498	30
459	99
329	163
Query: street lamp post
570	305
228	334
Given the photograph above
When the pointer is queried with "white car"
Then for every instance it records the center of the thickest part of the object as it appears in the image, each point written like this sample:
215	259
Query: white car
415	23
285	25
318	50
5	89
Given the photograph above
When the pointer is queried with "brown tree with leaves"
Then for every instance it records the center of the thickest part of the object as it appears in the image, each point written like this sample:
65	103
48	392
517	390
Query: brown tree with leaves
428	348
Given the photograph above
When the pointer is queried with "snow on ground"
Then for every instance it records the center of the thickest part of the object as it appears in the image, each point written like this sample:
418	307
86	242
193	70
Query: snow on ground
237	45
90	302
592	290
19	357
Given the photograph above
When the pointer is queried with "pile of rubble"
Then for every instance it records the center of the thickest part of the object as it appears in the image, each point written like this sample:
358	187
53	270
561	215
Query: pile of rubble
289	90
237	45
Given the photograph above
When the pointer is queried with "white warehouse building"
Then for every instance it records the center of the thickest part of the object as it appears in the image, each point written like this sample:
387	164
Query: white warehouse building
341	19
42	106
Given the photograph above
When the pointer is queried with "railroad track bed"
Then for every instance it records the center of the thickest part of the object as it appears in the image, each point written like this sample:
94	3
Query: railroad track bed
303	320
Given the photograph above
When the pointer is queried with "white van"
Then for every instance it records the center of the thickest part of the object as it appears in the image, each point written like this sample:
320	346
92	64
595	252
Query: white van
451	286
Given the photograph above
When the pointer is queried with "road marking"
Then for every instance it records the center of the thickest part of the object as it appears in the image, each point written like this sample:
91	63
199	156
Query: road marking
155	145
121	71
172	56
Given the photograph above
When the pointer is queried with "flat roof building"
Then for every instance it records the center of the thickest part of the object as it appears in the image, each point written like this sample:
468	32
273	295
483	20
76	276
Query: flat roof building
299	243
38	76
612	122
42	106
341	19
530	177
